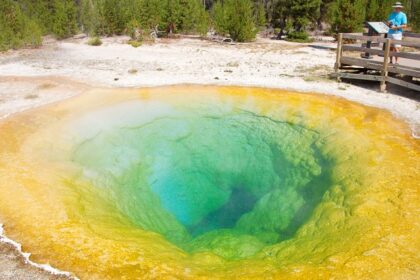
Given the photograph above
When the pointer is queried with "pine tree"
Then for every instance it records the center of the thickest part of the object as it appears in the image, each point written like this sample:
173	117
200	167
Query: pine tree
17	29
193	17
63	18
415	15
304	12
324	9
39	12
152	13
58	17
238	18
173	15
93	18
235	17
281	15
385	8
373	10
89	17
348	15
260	14
220	18
113	17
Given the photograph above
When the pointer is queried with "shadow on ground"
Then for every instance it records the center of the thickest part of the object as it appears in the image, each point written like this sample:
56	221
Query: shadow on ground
391	88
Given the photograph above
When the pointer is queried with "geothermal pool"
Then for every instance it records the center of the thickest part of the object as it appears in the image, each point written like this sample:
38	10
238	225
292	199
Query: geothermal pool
212	183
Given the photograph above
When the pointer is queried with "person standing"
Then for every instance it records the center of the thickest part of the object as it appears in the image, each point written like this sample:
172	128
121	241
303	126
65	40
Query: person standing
397	22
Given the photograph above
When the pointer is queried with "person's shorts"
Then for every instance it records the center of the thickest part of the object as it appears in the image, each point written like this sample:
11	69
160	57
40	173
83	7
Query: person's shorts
396	37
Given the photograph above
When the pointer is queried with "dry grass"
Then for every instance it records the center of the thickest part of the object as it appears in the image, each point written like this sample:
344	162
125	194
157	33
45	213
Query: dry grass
317	69
315	73
132	71
233	64
45	86
31	96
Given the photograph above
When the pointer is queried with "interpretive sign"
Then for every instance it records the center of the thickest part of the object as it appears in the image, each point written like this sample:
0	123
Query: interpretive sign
379	27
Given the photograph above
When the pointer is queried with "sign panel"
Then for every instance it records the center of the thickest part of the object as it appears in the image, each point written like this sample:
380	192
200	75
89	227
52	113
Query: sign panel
379	27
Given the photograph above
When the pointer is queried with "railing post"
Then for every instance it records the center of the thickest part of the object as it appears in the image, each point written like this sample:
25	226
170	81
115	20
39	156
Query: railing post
384	73
339	53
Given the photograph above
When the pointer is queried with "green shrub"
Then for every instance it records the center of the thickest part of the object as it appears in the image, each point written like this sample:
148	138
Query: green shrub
299	37
135	43
94	41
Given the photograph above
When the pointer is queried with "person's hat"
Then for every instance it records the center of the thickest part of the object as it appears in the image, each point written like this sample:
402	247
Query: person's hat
398	5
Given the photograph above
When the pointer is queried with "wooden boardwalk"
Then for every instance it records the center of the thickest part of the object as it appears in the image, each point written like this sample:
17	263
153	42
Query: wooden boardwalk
350	64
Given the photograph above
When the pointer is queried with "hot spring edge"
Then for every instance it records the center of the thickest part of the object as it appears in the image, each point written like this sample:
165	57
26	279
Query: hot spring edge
78	224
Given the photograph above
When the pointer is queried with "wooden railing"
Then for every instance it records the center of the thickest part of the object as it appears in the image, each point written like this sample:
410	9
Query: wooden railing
409	70
411	35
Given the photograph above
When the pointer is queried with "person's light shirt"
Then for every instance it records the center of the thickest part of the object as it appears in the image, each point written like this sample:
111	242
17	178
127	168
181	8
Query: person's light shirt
397	19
